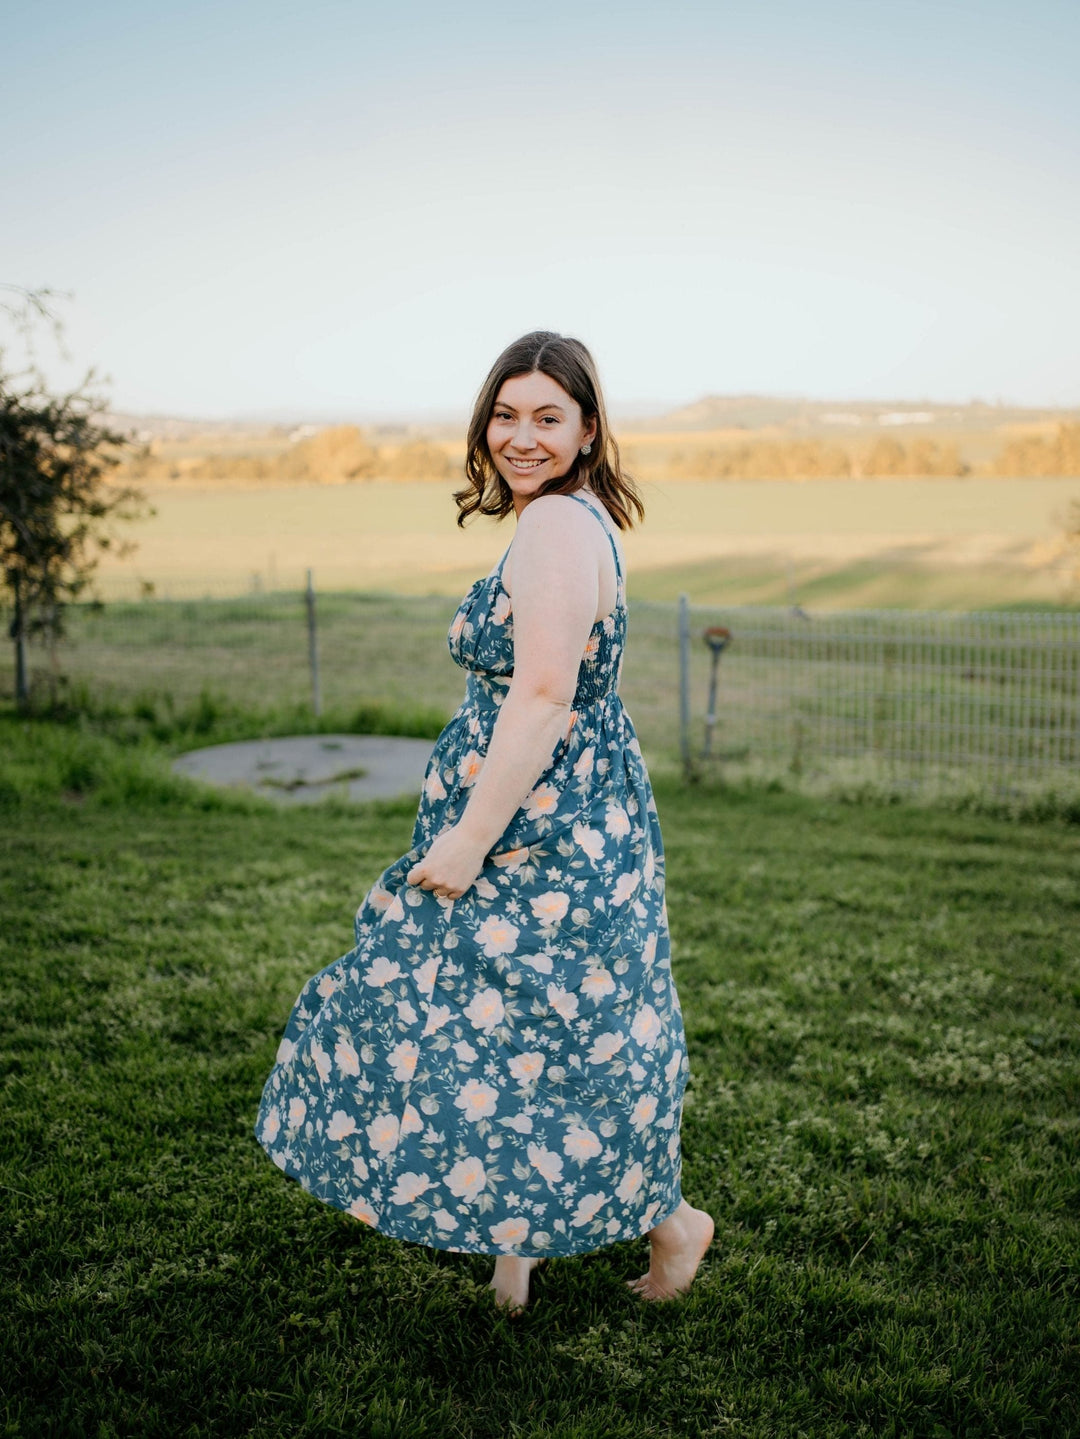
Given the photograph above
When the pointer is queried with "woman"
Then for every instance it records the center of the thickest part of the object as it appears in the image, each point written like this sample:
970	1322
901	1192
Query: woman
498	1066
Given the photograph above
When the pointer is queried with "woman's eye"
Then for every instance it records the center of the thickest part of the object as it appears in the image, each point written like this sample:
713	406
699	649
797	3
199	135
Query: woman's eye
549	420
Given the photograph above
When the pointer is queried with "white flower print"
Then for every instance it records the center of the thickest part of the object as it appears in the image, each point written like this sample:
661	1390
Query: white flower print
380	899
589	841
341	1125
630	1184
434	789
597	985
285	1051
551	907
411	1123
297	1111
402	1059
382	1133
381	971
587	1207
409	1187
469	767
465	1052
583	765
643	1112
521	1123
625	887
271	1126
512	860
477	1099
562	1001
528	1066
438	1015
321	1060
647	1027
424	976
581	1143
497	936
485	1010
541	802
445	1220
467	1179
542	963
346	1058
546	1163
616	821
510	1231
362	1210
605	1047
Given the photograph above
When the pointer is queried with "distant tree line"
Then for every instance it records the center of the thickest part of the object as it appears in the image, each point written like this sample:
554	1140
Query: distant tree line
1058	454
814	459
345	454
336	456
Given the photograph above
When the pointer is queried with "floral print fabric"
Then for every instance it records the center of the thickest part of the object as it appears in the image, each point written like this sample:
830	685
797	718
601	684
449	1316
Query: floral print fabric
503	1073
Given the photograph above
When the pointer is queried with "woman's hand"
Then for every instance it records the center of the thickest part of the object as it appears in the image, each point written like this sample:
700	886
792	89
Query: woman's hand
450	866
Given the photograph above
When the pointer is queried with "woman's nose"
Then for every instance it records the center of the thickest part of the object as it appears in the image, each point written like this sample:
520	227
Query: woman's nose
524	439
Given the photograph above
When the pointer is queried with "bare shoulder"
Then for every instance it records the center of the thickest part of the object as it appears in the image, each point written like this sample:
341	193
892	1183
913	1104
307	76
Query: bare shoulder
558	541
557	515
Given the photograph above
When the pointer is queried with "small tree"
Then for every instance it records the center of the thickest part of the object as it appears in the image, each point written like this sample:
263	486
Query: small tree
57	513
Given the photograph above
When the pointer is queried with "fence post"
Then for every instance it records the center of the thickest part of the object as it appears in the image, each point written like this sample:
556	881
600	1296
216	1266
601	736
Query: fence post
684	686
313	648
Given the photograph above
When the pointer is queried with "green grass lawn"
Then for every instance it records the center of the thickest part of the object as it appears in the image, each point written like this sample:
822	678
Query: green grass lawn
882	1008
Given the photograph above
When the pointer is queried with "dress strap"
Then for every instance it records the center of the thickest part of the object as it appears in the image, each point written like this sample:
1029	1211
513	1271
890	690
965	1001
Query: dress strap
606	527
497	573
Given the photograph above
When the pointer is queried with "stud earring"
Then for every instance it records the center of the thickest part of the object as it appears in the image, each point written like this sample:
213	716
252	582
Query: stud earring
586	449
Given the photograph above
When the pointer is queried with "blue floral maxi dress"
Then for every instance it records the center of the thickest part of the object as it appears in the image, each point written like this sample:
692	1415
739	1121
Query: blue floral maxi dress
503	1073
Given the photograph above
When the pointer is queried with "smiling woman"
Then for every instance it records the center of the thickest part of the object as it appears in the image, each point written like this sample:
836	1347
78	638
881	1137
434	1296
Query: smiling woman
498	1066
539	426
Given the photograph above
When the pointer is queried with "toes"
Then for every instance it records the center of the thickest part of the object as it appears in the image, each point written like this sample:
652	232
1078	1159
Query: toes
647	1288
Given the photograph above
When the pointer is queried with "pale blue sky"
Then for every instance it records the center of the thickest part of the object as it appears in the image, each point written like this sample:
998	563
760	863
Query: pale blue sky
332	209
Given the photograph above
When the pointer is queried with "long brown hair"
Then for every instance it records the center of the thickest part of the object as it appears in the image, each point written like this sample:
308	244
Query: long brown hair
569	364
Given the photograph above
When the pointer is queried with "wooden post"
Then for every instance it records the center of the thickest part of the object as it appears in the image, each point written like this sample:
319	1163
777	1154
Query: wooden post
313	648
684	686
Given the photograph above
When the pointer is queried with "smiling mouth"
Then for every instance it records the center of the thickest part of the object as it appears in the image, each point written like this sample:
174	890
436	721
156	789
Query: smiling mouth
525	464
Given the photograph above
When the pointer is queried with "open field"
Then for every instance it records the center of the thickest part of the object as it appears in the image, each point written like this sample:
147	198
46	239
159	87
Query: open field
944	543
883	1014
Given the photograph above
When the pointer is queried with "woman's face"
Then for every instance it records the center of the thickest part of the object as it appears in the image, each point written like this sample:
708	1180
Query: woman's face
535	434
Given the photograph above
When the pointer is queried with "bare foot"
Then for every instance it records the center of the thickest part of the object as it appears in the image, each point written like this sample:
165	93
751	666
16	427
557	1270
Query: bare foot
511	1282
676	1248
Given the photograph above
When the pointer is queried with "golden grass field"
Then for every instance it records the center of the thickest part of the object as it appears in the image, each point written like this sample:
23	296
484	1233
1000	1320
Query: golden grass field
932	543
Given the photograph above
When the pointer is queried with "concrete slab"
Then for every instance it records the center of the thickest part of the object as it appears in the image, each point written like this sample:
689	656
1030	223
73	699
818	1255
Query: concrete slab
300	769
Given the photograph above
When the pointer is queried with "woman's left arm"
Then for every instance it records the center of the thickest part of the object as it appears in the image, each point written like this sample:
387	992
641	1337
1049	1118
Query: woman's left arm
556	590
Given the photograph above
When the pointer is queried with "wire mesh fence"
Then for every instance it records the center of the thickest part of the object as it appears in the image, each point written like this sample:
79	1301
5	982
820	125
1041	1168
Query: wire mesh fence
912	699
916	699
